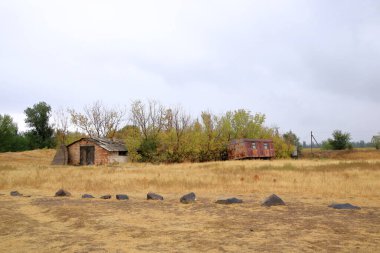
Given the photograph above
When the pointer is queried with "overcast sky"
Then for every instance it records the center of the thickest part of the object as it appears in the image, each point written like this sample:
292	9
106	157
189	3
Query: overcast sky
307	65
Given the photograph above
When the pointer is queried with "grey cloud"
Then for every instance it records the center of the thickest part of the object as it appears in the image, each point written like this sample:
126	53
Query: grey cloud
292	60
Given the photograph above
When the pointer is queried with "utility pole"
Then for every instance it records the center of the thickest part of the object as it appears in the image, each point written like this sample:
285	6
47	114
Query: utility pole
311	142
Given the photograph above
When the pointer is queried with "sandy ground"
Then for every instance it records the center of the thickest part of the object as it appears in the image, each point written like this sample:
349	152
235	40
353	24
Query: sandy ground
52	224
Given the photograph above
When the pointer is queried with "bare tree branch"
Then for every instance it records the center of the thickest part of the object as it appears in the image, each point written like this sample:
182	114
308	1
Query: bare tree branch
98	120
149	118
61	123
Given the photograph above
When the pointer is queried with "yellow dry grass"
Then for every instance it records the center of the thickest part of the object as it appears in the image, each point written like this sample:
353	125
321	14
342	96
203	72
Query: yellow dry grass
32	171
355	154
43	223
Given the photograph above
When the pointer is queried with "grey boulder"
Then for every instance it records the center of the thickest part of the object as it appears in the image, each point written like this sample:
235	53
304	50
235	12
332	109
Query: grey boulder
122	197
229	201
108	196
154	196
188	198
62	193
87	196
344	206
15	194
273	200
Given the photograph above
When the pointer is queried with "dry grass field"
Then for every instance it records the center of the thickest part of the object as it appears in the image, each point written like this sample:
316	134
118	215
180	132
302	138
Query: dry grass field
43	223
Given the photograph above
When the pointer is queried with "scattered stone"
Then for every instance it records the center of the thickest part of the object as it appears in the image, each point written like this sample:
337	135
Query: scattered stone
106	196
122	197
16	194
62	193
87	196
273	200
344	206
188	198
27	196
229	201
154	196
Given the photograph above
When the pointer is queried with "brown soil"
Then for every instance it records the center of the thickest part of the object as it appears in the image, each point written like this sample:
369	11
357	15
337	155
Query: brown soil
49	224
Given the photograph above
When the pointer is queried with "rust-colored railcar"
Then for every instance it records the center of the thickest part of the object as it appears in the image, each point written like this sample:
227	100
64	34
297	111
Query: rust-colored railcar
250	149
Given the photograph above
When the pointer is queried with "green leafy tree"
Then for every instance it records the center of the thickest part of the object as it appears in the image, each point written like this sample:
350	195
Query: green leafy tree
148	150
210	137
376	141
151	118
70	137
132	138
280	146
246	125
8	132
167	134
292	142
10	139
181	122
326	145
41	133
340	140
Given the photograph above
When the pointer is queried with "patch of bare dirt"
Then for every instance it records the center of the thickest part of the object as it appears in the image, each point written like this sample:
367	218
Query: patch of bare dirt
41	224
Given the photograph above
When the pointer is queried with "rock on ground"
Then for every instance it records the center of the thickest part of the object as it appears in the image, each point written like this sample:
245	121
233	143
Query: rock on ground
229	201
344	206
15	194
62	193
122	197
154	196
87	196
188	198
108	196
273	200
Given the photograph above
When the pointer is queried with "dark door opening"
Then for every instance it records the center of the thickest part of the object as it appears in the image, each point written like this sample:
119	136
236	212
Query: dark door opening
87	155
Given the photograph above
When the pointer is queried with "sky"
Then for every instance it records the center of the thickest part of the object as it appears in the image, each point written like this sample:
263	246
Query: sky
307	65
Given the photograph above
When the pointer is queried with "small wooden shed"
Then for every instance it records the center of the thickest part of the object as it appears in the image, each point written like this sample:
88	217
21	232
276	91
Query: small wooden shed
91	151
250	149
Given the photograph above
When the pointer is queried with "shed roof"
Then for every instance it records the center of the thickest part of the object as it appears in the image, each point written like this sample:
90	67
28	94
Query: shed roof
235	141
107	144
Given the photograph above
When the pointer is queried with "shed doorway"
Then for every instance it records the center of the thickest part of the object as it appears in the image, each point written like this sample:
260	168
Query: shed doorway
87	155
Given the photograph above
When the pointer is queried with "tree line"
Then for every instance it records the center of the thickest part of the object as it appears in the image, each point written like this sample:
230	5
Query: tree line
152	131
40	135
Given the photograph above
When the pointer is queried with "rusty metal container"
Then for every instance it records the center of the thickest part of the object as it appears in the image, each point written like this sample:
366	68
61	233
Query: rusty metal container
250	149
